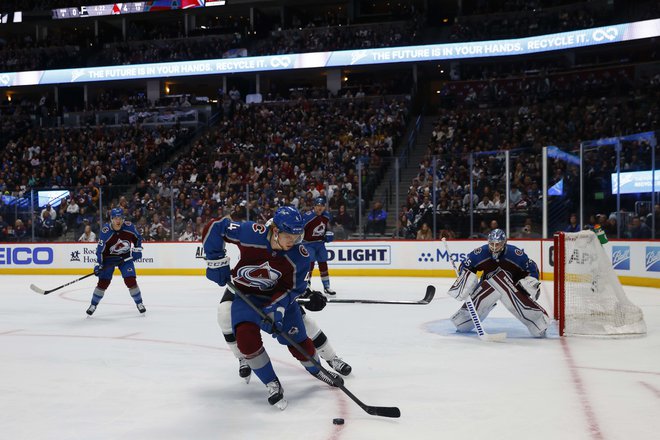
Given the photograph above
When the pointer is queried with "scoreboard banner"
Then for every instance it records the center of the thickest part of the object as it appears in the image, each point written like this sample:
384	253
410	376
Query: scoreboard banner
635	262
131	8
344	58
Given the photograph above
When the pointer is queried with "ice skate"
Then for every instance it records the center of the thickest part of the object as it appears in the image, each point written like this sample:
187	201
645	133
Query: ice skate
91	309
276	394
141	308
332	379
329	291
340	366
244	370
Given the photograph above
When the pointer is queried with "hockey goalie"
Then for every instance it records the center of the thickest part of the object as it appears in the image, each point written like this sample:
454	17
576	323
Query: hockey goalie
509	276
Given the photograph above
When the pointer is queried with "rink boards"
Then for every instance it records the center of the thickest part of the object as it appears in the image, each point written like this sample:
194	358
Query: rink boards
635	262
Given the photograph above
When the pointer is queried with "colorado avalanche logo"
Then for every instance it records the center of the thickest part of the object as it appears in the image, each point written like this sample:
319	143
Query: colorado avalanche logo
319	231
121	247
303	251
519	252
259	229
262	277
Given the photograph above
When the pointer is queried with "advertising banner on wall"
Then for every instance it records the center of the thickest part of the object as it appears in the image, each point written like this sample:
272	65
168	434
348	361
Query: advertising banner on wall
635	262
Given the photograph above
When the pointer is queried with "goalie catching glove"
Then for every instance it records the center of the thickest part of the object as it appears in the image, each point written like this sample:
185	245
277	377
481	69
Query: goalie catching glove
218	270
464	285
531	286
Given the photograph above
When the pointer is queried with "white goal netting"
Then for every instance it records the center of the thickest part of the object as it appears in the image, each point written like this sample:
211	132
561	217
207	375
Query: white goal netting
595	303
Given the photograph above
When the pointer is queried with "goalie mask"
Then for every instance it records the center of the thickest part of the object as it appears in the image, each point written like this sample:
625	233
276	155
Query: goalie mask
496	242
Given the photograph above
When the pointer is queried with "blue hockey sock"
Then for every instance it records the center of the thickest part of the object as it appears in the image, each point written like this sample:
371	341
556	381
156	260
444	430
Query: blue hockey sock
262	367
97	296
135	293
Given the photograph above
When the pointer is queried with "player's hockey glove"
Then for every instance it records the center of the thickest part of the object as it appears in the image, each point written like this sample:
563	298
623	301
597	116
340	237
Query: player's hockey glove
136	253
274	323
531	286
98	268
329	236
218	270
317	300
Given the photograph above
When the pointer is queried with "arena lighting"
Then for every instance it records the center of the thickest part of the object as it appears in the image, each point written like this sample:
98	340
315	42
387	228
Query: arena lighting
343	58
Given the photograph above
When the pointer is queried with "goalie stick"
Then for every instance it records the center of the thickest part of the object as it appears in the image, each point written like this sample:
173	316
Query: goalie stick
490	337
383	411
46	292
428	297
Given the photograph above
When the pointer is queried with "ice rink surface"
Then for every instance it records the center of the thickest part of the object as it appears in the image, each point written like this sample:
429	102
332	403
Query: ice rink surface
169	375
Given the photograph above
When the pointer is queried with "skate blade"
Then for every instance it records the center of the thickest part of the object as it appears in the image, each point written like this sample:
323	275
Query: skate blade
281	405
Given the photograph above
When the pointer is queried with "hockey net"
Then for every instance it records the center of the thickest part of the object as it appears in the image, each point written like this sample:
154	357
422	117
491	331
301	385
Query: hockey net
589	299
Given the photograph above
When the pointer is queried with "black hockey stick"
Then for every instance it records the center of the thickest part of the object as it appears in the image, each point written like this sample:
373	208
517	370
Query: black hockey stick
46	292
428	297
383	411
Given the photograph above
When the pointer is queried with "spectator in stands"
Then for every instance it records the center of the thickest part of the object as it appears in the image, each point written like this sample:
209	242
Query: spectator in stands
403	229
189	233
497	201
72	212
343	223
377	219
47	226
515	197
425	232
20	230
466	198
51	212
573	225
88	236
485	204
638	229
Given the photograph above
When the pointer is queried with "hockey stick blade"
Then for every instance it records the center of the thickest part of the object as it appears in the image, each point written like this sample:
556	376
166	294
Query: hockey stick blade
37	289
493	337
428	297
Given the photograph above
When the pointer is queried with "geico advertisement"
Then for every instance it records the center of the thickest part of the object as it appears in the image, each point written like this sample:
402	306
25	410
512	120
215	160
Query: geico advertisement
83	255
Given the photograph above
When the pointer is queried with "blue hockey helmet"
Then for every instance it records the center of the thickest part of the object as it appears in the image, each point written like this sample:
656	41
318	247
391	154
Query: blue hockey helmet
116	212
288	219
496	241
320	201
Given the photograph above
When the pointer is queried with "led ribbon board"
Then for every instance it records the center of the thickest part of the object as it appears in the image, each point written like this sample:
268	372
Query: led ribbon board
405	54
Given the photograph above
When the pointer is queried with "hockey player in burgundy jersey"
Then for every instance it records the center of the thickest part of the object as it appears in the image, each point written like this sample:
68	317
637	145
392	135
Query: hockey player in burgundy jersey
316	236
508	275
272	270
120	244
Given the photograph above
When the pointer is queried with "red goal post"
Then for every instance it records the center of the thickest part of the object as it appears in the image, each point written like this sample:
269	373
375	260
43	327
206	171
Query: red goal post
588	297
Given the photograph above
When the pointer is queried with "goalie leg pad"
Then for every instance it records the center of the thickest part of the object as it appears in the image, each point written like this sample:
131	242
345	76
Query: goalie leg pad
465	285
485	298
518	302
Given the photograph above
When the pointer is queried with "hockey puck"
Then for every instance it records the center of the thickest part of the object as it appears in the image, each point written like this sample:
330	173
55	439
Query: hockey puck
338	421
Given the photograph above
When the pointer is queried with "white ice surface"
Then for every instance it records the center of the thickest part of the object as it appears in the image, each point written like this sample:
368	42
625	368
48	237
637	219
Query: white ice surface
168	374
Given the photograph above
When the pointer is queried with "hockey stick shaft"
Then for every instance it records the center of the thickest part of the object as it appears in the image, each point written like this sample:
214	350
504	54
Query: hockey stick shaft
46	292
428	297
383	411
470	307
